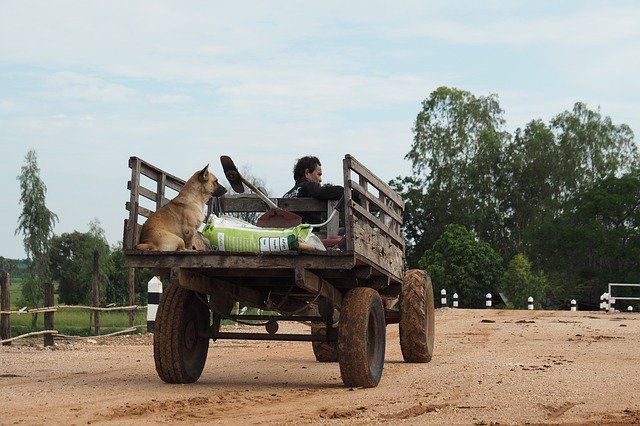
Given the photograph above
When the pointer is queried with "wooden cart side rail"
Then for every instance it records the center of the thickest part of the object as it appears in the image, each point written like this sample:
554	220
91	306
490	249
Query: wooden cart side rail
163	181
374	218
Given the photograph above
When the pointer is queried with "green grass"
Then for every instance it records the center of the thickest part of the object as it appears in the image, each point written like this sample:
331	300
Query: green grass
15	291
77	322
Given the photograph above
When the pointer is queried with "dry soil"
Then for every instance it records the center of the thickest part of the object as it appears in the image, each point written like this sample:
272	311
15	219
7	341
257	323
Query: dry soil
489	367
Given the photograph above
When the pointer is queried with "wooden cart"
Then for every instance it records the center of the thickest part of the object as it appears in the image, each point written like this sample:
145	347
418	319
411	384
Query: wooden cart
340	293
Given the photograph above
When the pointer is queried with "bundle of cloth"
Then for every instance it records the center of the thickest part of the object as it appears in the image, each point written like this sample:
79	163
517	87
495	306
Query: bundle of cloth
227	233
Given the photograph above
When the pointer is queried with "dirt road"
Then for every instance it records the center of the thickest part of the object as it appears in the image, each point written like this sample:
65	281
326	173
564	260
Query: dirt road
489	366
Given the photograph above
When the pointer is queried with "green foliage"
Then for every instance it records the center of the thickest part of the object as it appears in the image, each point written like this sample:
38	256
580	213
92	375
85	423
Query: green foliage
460	263
36	223
72	256
455	159
518	193
117	290
519	282
595	241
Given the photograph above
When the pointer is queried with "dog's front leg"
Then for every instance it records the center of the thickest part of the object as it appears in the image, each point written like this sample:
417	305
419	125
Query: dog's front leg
187	236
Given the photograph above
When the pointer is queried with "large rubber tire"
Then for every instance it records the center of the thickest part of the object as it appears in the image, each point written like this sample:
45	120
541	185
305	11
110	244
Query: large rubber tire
323	351
417	323
361	338
179	346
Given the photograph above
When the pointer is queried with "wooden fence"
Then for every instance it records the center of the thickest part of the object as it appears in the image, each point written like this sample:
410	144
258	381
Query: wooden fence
49	332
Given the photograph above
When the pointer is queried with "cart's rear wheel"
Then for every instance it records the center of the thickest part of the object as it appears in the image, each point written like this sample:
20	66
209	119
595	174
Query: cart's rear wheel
417	323
361	338
179	343
324	351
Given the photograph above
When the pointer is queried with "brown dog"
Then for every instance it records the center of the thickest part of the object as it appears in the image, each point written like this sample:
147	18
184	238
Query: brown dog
174	225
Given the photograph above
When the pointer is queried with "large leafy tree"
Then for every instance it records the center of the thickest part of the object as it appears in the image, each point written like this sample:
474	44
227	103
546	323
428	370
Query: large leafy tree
595	241
590	147
460	263
72	257
35	223
466	169
456	159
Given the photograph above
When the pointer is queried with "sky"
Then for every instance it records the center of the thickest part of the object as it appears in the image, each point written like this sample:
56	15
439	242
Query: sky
87	84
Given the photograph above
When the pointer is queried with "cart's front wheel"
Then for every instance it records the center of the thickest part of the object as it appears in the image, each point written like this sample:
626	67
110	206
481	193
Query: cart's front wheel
361	338
417	324
180	344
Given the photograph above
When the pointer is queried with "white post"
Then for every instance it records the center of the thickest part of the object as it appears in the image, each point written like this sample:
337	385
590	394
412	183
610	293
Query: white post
574	306
630	308
530	303
612	304
605	306
443	297
154	292
602	307
455	300
488	300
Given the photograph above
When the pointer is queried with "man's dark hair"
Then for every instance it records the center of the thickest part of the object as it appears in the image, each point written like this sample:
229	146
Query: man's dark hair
303	164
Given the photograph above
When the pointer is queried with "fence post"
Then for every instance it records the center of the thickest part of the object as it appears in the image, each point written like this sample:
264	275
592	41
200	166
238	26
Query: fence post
48	316
154	293
455	300
574	306
487	302
443	298
530	303
5	305
96	293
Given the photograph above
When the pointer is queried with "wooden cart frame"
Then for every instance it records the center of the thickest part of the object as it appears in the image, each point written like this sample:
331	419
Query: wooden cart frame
338	291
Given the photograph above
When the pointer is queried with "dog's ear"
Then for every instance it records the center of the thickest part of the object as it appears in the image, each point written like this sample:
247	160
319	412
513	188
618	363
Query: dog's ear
204	174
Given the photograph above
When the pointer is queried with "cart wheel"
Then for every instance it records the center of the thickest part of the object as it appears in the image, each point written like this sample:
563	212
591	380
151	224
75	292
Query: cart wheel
417	324
179	348
324	351
361	338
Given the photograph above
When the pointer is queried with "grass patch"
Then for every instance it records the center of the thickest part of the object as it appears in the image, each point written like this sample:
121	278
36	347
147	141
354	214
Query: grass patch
77	322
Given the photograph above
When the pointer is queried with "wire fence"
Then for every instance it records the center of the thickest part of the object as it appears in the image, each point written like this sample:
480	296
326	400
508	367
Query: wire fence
48	312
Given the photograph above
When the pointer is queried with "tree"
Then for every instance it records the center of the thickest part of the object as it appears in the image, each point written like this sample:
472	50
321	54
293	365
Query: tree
466	169
462	264
117	290
590	148
456	161
72	260
596	240
36	223
519	282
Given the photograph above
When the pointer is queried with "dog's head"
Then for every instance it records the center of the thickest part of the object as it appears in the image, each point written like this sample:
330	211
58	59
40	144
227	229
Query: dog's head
209	183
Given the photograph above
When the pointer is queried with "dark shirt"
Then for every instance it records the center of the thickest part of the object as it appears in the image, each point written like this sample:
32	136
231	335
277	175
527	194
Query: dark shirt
305	188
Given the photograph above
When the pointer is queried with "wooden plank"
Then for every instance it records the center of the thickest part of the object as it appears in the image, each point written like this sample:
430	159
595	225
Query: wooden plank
213	286
314	284
48	316
5	306
211	259
301	204
160	199
378	202
360	169
131	236
348	202
382	228
382	252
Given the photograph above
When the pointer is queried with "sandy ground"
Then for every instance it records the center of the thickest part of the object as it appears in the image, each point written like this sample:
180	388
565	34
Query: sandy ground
489	367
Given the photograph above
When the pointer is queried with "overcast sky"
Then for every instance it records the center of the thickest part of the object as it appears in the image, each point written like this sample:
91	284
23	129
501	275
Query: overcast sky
87	84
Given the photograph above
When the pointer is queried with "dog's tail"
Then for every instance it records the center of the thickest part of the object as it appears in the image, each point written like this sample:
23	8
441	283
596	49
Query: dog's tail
145	246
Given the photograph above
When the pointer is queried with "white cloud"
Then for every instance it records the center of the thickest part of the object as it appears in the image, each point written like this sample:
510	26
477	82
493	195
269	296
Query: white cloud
586	28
